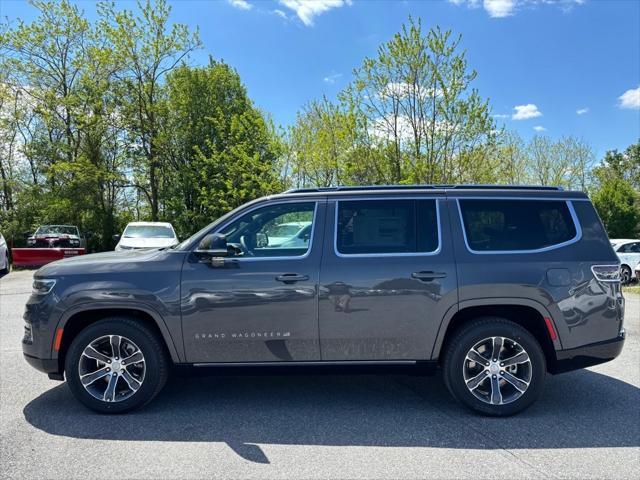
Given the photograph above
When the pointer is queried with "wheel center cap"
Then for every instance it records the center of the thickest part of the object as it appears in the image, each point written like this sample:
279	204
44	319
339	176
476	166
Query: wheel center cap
116	366
494	368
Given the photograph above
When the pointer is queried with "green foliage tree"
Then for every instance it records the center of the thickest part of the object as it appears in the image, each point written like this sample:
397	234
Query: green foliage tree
616	192
222	151
147	48
617	204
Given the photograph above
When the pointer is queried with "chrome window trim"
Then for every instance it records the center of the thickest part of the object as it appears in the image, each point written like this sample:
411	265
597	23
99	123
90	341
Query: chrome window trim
572	212
289	257
373	255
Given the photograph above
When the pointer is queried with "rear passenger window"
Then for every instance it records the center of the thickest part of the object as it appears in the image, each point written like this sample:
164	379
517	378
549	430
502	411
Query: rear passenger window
387	226
495	225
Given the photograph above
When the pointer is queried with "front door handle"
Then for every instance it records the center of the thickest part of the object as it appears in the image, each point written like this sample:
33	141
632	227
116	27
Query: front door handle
427	276
290	278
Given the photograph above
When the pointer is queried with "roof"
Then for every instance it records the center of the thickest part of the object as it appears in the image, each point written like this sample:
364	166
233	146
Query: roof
623	240
360	188
453	191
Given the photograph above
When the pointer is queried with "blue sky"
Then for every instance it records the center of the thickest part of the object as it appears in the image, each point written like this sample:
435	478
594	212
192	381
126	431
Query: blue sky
558	67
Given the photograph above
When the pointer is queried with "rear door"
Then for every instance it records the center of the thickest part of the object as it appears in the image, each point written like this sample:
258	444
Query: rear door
387	278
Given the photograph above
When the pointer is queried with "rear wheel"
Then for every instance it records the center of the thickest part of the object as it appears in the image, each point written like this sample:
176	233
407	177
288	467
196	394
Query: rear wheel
495	367
116	365
625	274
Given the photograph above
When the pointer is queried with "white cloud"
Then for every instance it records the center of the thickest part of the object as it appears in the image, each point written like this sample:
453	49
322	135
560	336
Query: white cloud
241	4
524	112
499	8
403	90
332	78
501	115
506	8
630	99
539	128
308	9
582	111
280	13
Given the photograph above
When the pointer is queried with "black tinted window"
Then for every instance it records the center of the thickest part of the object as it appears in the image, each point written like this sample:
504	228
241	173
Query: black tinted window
387	226
516	224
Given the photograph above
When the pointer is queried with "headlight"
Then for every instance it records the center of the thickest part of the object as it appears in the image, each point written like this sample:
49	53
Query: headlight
31	241
42	286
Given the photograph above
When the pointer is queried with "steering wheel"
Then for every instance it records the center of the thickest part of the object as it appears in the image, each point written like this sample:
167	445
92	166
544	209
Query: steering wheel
245	247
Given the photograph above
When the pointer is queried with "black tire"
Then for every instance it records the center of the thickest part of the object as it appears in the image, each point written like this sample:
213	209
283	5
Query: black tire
625	274
156	363
455	361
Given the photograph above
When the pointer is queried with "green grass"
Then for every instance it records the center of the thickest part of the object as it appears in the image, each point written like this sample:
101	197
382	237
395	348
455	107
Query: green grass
635	289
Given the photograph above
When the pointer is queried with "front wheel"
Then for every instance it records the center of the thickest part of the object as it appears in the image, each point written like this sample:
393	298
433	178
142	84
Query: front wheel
494	367
625	275
116	365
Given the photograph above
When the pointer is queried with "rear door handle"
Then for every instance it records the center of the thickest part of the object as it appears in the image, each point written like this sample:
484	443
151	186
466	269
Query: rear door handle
291	278
427	276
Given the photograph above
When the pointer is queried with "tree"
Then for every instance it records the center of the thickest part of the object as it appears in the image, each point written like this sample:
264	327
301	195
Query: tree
148	49
221	150
322	141
616	191
617	204
416	104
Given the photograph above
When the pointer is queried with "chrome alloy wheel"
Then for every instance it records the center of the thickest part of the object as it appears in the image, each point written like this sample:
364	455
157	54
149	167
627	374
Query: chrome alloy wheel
497	370
112	368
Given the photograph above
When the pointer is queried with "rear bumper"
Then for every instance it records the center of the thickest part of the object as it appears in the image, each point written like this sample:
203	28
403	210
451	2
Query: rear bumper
588	355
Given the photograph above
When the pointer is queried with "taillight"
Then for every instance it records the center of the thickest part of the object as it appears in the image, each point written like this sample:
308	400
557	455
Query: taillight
606	273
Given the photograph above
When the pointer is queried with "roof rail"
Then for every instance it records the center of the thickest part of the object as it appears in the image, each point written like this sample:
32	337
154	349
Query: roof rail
420	187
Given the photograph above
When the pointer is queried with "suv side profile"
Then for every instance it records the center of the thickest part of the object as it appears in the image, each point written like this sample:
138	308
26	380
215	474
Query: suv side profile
497	286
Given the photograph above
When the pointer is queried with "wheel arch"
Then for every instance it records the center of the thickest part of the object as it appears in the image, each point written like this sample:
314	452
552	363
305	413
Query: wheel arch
526	313
77	319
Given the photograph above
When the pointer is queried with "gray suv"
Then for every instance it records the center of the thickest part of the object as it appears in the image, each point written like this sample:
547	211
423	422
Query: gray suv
496	286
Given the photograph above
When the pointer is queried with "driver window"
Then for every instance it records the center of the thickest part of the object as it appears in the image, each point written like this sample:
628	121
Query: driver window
280	230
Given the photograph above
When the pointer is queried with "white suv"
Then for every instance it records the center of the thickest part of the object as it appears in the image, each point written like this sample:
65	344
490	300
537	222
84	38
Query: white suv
628	251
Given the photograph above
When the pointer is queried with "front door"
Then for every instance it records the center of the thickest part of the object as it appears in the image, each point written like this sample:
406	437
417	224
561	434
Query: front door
261	303
387	278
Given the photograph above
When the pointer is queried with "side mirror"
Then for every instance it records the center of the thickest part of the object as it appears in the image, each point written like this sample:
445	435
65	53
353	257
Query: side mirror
215	245
26	234
116	238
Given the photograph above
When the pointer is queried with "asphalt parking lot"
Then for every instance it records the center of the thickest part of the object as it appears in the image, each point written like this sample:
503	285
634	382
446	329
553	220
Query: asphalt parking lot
586	425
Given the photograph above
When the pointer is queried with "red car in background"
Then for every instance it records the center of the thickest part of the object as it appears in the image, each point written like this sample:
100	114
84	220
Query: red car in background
49	243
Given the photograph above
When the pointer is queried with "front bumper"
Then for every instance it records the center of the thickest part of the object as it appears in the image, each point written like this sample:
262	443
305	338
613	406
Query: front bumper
47	365
588	355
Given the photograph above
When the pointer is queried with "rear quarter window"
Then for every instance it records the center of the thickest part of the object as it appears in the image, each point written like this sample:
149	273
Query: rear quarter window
515	225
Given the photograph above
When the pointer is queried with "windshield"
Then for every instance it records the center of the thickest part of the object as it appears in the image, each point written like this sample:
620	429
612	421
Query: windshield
57	230
148	231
